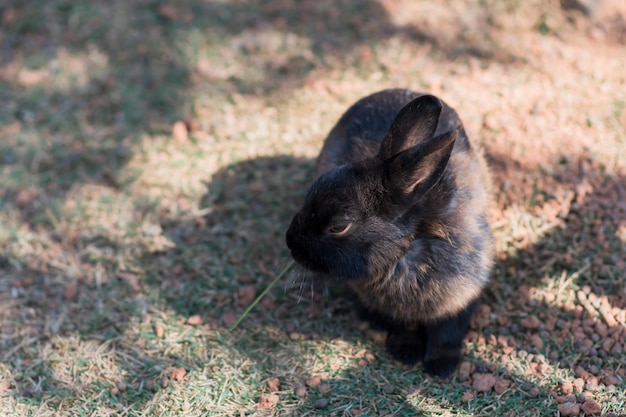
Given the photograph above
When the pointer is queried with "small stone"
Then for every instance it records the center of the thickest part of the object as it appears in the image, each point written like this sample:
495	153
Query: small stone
609	319
602	329
229	319
115	391
313	381
194	320
616	349
536	341
501	386
178	374
569	409
26	197
268	401
482	367
560	399
321	403
579	384
534	392
607	344
323	389
273	384
612	380
465	368
71	291
388	389
483	382
467	397
159	330
530	322
581	372
121	386
543	368
567	388
164	382
180	132
246	293
590	386
591	407
148	384
300	390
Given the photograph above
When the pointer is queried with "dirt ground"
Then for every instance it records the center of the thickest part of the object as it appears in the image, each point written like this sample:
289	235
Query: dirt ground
153	152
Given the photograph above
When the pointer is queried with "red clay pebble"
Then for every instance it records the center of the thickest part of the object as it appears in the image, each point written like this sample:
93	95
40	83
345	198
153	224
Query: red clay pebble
536	341
71	291
530	322
608	344
159	330
273	384
601	329
178	374
483	382
194	320
300	391
567	388
323	389
569	409
180	132
617	349
579	384
246	293
465	368
591	407
500	386
610	320
229	319
612	380
560	399
467	397
268	400
313	381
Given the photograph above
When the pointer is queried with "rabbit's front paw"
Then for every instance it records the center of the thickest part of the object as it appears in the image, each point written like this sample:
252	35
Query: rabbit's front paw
442	366
407	347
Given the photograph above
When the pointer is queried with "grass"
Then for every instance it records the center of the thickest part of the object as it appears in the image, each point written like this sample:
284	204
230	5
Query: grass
115	231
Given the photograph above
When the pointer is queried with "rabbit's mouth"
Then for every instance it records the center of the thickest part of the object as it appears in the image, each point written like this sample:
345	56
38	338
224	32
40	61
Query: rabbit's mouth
305	262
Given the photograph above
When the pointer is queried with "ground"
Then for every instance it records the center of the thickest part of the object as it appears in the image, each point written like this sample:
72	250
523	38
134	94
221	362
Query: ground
153	152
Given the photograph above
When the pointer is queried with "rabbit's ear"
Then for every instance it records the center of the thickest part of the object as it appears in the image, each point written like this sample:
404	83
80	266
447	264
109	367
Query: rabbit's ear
415	122
416	170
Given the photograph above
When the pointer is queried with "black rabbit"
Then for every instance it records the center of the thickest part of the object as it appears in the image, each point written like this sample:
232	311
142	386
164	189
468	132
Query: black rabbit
398	211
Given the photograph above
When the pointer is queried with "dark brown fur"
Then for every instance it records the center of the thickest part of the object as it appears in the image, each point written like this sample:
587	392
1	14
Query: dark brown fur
399	171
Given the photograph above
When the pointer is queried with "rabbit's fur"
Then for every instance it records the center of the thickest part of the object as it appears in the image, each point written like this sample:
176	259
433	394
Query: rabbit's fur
398	211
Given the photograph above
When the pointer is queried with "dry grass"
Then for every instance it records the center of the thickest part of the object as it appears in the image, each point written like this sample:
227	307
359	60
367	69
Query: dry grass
115	230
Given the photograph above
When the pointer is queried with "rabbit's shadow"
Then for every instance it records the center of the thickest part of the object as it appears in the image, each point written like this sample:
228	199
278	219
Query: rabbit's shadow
250	204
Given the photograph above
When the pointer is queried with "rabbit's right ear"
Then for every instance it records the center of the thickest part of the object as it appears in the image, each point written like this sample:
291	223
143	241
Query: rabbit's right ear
415	171
416	122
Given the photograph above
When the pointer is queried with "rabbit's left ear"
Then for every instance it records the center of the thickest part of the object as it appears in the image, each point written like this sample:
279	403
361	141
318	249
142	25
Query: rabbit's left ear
415	171
416	122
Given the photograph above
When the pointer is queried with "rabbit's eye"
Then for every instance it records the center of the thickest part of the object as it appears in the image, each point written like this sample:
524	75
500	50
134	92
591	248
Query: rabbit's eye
339	229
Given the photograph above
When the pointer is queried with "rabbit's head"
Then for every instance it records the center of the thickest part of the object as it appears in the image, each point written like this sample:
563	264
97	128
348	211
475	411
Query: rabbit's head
359	219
